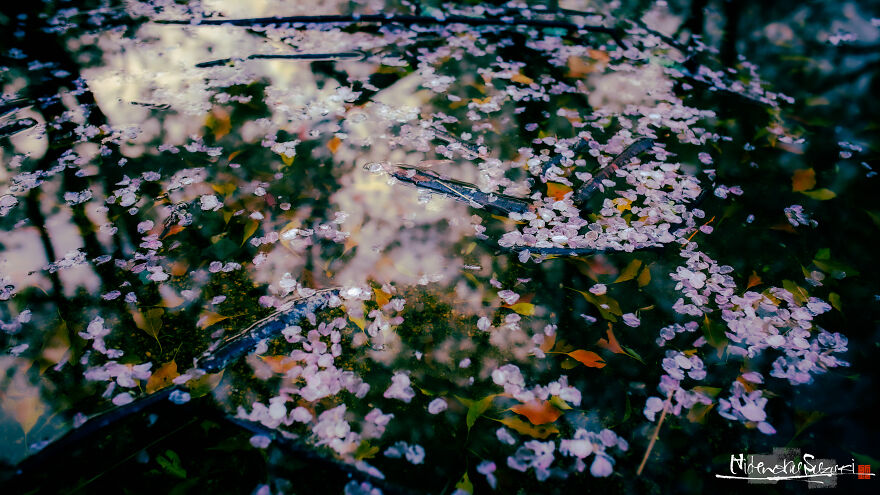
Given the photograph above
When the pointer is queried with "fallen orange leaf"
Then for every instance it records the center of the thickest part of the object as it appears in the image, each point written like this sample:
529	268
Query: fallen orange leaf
279	364
174	229
538	412
524	428
382	297
162	377
208	318
588	358
803	180
333	144
754	280
611	344
557	191
522	79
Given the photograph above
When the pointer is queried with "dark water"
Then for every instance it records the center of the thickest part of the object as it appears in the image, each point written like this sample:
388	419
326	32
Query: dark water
495	310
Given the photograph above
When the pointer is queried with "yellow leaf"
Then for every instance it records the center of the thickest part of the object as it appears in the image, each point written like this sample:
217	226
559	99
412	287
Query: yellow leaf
559	403
644	278
219	122
149	321
588	358
21	400
630	271
697	413
208	318
557	191
360	322
224	189
803	180
162	377
820	194
204	384
365	451
524	428
522	79
482	101
538	412
382	297
524	308
569	364
287	160
333	144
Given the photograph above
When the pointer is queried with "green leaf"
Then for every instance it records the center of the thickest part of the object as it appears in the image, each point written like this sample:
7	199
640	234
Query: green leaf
559	403
865	459
820	194
477	408
365	451
633	354
630	271
715	335
464	484
171	464
836	269
875	217
834	299
607	306
800	295
249	230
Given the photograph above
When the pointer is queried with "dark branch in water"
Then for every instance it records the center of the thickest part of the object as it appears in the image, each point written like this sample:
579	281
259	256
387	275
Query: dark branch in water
90	432
290	313
585	192
16	126
313	57
406	20
304	452
9	107
464	192
580	147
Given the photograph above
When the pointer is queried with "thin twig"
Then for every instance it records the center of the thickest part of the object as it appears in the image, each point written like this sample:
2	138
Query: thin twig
656	433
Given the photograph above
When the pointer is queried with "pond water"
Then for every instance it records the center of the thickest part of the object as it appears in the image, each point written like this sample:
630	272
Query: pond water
433	248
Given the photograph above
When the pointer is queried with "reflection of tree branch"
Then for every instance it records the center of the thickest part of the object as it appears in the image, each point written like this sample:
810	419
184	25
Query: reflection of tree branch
406	20
35	214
